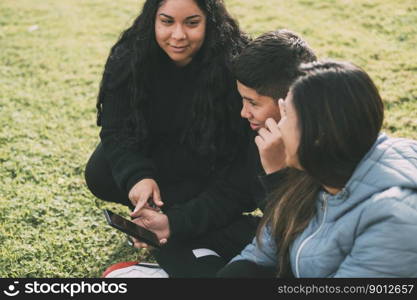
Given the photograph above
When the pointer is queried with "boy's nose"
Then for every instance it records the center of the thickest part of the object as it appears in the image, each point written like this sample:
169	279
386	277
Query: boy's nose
245	113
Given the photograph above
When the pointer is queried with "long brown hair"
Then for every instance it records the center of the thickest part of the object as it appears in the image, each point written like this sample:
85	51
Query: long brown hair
340	114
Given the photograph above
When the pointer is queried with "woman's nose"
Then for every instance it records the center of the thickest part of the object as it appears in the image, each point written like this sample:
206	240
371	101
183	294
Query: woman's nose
178	33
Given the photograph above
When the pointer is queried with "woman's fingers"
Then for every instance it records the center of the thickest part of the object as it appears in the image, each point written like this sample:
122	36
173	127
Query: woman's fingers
157	197
142	192
141	202
163	241
140	245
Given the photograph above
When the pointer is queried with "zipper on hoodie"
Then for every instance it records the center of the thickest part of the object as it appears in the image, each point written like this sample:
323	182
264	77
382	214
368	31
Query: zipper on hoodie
297	257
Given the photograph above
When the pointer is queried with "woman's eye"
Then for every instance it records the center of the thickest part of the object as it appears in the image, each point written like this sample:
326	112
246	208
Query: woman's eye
165	21
192	23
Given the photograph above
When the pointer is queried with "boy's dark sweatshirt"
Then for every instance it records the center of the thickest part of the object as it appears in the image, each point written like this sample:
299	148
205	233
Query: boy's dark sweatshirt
242	190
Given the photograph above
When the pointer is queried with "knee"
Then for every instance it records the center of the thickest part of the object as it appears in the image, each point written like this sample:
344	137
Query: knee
100	181
89	177
93	174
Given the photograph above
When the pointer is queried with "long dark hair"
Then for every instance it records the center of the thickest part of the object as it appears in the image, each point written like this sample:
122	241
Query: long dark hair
340	115
215	124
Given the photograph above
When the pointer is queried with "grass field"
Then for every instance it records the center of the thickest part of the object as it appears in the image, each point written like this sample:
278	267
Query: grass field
51	58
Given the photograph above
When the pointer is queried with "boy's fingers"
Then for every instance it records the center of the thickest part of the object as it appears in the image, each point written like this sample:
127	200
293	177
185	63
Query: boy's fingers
264	133
272	125
259	142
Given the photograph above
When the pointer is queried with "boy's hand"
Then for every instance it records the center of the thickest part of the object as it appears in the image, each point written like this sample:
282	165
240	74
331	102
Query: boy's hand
270	146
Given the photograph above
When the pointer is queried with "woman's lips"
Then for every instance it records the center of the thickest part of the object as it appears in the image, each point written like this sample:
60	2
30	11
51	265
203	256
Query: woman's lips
178	49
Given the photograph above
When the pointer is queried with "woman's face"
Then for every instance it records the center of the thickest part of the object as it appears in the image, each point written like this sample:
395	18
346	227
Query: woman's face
180	27
290	131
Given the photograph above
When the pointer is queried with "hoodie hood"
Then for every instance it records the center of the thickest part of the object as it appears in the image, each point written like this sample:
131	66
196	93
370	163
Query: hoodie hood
391	162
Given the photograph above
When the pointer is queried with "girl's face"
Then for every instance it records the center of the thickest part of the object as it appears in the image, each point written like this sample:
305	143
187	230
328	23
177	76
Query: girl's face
290	131
180	28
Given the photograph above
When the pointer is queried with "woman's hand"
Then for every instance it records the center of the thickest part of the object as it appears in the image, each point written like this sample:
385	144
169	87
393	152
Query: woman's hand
155	222
141	192
270	146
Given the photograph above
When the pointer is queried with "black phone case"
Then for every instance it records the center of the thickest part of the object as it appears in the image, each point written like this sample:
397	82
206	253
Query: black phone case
131	228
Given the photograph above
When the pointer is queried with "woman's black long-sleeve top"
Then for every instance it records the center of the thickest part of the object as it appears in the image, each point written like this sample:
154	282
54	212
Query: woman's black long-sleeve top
180	172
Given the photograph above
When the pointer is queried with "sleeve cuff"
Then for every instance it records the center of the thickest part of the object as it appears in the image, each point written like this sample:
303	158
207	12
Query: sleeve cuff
271	181
135	179
177	223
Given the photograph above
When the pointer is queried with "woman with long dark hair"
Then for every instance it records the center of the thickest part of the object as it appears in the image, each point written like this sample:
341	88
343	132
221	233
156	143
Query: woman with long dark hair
168	106
349	207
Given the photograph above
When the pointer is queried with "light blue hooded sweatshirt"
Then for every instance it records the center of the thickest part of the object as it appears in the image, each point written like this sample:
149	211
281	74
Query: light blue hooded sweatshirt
369	229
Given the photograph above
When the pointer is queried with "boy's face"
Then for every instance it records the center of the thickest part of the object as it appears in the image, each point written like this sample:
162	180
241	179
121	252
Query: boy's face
257	108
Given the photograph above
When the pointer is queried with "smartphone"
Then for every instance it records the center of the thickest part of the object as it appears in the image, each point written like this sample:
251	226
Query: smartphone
131	228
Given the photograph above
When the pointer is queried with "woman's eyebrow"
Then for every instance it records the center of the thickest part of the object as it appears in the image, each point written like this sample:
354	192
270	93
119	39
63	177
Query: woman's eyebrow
187	18
166	16
192	17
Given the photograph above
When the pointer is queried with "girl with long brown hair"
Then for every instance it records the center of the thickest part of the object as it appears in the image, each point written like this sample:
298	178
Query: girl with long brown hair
349	204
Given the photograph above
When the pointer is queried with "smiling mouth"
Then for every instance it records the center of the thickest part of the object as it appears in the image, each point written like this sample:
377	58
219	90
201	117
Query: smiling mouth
254	126
178	47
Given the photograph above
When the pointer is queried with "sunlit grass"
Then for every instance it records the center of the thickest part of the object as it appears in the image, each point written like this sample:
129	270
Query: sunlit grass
51	58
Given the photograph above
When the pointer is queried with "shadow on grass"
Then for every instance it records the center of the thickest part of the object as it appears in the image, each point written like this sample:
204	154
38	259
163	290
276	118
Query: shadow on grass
122	252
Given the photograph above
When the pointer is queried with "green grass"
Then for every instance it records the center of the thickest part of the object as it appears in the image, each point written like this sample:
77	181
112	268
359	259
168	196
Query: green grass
49	223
